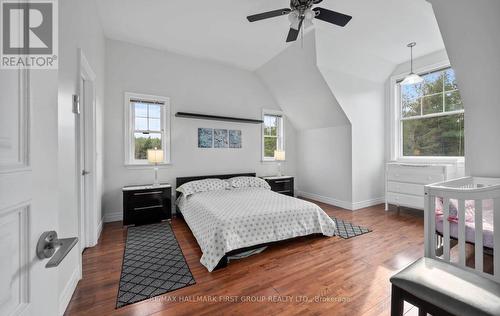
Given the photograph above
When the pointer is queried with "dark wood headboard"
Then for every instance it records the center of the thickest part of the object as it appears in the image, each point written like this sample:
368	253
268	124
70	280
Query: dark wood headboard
180	181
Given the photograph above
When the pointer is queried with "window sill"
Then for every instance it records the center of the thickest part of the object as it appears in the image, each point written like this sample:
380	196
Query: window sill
146	165
271	161
432	160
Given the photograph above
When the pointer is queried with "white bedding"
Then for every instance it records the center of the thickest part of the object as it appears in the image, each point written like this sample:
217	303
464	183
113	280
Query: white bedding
226	220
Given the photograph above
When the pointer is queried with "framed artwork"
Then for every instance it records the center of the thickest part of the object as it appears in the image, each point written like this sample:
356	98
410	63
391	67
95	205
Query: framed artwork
205	137
220	138
234	139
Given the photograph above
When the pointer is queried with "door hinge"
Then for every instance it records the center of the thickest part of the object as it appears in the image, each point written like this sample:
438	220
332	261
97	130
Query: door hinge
76	104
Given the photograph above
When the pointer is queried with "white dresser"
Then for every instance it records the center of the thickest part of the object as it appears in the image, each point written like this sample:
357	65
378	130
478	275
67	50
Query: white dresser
405	182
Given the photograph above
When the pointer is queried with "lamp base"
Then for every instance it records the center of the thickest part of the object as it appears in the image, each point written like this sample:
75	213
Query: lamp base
156	182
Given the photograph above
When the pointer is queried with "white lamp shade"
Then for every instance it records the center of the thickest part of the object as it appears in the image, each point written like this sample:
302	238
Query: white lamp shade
279	155
412	79
155	156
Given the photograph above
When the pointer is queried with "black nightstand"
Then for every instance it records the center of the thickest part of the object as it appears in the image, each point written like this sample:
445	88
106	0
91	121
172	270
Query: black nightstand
146	204
281	184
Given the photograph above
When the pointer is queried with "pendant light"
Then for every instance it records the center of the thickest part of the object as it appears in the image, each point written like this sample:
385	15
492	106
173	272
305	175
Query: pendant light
412	77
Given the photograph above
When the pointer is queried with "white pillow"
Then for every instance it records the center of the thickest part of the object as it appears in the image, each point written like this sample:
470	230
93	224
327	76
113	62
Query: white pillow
202	186
244	182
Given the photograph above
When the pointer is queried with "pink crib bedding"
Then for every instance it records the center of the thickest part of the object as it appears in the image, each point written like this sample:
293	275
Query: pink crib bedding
470	230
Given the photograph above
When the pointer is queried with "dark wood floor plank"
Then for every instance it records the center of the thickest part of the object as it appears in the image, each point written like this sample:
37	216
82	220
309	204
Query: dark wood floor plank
337	276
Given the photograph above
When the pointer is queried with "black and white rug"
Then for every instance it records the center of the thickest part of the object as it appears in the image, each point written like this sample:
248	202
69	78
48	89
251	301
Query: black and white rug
347	229
153	264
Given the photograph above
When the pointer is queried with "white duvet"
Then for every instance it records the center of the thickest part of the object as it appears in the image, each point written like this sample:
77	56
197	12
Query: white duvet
226	220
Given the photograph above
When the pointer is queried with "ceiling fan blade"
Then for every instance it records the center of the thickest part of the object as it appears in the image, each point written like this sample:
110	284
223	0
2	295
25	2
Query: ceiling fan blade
332	16
267	15
293	33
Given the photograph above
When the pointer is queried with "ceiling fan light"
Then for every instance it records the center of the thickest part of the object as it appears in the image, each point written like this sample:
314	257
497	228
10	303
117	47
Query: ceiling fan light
293	17
309	14
412	79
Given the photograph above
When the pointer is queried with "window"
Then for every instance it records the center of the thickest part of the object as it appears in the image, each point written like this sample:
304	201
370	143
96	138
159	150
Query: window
147	126
431	117
272	134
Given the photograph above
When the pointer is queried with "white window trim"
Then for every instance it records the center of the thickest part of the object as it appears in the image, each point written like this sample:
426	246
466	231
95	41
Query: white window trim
282	133
128	128
395	126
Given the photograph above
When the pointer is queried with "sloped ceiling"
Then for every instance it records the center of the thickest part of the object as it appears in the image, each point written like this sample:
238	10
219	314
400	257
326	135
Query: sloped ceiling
470	31
218	30
297	84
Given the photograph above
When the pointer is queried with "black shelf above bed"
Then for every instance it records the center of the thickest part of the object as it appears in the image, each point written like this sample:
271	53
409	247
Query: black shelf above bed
217	118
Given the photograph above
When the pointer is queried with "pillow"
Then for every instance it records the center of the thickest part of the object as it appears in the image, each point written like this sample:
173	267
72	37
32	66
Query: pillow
244	182
202	186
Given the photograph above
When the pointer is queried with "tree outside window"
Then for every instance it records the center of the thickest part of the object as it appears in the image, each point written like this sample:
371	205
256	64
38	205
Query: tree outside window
432	116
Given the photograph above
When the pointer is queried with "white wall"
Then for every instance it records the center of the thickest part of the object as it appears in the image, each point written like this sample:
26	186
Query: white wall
325	165
296	83
364	103
193	85
79	27
323	130
356	78
470	33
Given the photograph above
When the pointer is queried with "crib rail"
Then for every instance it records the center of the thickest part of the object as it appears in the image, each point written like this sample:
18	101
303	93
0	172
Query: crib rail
463	192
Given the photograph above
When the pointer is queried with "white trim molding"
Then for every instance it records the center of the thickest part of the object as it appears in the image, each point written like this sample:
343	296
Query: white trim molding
113	216
18	218
367	203
69	289
128	125
21	162
394	112
87	140
281	135
351	206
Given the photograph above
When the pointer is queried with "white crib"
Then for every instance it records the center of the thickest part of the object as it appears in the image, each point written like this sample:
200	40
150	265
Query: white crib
482	191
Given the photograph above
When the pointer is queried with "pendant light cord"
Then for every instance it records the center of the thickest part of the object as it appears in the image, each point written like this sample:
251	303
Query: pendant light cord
411	59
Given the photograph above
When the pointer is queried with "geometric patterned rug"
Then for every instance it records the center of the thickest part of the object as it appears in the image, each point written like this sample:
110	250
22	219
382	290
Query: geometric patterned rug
347	230
153	264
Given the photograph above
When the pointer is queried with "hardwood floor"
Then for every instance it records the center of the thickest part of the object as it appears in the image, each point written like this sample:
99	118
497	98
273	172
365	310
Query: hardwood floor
336	276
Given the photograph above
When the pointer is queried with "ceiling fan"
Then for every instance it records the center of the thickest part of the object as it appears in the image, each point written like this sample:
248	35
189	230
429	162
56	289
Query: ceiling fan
302	12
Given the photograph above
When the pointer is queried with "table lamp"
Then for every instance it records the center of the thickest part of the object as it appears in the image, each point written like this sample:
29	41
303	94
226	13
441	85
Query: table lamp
155	156
279	156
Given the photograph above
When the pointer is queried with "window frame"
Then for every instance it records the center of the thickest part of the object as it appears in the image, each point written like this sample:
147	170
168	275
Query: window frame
396	120
129	128
280	133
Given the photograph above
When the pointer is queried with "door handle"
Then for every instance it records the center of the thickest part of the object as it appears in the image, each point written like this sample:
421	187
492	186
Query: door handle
47	244
85	172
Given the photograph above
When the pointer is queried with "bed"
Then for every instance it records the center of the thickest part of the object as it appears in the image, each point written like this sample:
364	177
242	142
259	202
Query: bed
470	226
226	222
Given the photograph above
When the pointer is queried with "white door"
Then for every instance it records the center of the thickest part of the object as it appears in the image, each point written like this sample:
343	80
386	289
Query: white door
81	168
86	155
28	190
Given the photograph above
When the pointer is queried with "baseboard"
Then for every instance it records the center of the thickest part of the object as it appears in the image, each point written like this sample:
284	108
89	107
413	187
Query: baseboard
352	206
68	291
99	230
328	200
367	203
115	216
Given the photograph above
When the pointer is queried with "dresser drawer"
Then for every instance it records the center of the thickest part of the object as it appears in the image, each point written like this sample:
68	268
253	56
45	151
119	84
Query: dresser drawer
405	188
421	175
283	185
144	204
145	198
405	200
